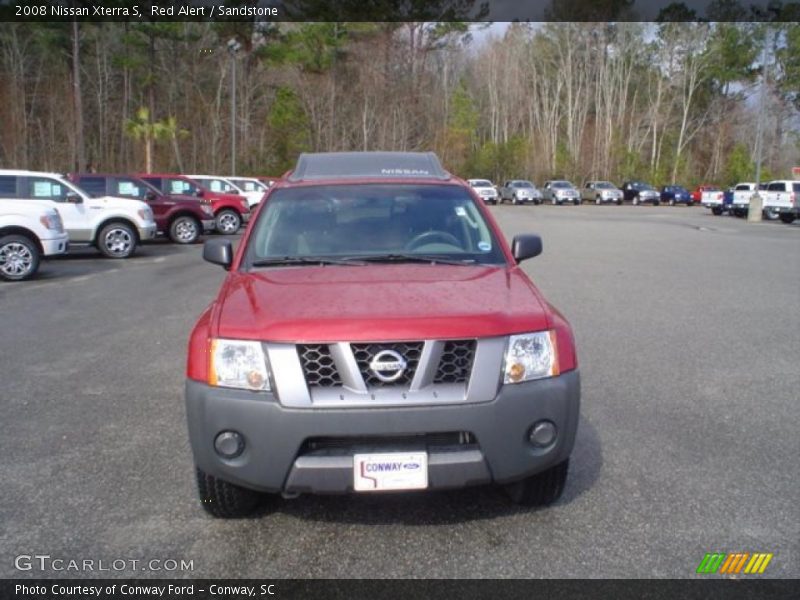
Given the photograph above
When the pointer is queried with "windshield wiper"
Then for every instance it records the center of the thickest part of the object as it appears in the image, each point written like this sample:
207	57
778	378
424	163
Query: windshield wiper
415	258
304	260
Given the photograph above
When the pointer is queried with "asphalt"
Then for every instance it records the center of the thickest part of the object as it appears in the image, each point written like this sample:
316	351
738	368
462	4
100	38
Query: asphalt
688	338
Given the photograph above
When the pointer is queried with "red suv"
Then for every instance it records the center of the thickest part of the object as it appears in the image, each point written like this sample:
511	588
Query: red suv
374	333
697	193
230	210
182	218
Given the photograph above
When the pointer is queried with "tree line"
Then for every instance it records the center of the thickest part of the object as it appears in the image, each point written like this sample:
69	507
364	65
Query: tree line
666	102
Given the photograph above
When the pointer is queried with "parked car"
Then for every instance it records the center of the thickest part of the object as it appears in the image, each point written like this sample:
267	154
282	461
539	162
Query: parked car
740	202
268	181
714	198
561	192
114	226
697	193
182	218
675	194
485	189
230	210
601	192
520	191
226	186
639	192
251	187
781	200
28	232
375	332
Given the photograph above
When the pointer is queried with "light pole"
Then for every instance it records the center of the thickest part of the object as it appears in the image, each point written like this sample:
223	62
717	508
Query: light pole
233	47
756	207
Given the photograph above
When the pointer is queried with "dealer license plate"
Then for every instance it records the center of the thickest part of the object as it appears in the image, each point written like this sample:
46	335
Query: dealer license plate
391	471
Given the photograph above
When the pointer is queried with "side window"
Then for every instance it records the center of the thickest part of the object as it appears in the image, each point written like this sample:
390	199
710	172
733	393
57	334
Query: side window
176	186
154	181
796	187
8	186
43	188
776	187
94	186
127	188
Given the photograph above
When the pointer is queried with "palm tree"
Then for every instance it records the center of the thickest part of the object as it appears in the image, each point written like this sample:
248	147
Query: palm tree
142	128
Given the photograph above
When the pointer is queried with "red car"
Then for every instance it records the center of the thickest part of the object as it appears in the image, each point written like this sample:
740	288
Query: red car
182	218
375	332
230	210
697	194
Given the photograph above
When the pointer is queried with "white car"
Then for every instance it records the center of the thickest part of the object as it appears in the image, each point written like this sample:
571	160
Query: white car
115	226
28	231
485	189
250	187
226	186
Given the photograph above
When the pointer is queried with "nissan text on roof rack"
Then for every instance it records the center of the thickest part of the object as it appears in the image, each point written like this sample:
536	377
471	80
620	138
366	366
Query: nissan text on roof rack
375	333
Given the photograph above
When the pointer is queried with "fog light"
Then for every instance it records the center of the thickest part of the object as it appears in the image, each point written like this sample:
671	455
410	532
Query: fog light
229	444
543	433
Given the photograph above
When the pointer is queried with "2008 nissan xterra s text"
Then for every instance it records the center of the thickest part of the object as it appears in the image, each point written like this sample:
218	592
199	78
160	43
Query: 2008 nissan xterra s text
375	333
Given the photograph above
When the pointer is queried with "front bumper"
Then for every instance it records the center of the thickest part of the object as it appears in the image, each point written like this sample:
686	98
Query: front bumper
209	225
275	436
246	217
147	232
59	244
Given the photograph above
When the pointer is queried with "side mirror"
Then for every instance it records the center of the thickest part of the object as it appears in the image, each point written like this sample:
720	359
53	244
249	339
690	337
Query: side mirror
200	193
74	199
218	252
526	245
150	196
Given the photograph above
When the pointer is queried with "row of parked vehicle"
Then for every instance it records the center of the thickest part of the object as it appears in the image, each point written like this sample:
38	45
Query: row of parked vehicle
44	214
781	198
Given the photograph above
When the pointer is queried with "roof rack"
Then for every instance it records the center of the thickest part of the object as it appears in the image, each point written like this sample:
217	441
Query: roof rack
347	165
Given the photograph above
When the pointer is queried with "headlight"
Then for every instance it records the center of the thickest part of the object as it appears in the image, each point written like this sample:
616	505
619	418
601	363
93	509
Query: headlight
52	222
238	364
145	214
206	208
530	356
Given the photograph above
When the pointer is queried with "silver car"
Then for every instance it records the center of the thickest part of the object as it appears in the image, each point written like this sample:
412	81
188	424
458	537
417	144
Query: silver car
518	191
601	192
560	191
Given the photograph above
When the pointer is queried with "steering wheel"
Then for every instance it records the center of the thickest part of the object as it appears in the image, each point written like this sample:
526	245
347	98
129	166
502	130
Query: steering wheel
430	236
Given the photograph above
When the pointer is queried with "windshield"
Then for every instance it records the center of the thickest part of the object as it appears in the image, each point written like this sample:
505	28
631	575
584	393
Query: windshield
561	184
398	222
522	184
215	185
603	185
481	183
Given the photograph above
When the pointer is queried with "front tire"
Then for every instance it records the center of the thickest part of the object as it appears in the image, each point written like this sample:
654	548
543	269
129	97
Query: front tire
716	211
117	240
541	489
576	202
184	230
228	221
788	218
225	500
770	214
19	258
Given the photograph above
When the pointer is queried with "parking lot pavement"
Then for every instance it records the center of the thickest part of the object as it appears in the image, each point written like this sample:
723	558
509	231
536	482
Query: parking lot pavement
688	339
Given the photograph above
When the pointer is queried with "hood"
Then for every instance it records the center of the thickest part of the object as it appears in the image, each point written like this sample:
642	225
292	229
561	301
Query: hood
111	202
378	303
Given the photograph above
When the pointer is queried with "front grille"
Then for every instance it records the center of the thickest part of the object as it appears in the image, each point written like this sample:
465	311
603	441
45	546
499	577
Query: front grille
455	364
318	365
364	353
389	442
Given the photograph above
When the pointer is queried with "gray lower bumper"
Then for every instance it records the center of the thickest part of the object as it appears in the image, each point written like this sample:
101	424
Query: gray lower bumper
274	436
208	225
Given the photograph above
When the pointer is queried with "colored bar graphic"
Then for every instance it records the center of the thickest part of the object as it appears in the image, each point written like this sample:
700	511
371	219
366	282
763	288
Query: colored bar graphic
732	564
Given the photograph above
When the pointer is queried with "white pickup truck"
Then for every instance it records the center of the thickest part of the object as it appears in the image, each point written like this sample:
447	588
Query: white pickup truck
115	226
27	233
779	198
713	198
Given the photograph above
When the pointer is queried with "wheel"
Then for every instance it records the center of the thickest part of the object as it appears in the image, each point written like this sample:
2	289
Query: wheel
576	202
19	257
184	230
597	200
117	240
537	202
656	202
716	210
541	489
228	221
635	200
225	500
514	199
770	214
788	218
619	202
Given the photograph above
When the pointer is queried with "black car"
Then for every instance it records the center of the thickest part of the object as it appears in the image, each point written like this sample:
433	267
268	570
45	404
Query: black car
676	194
638	192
